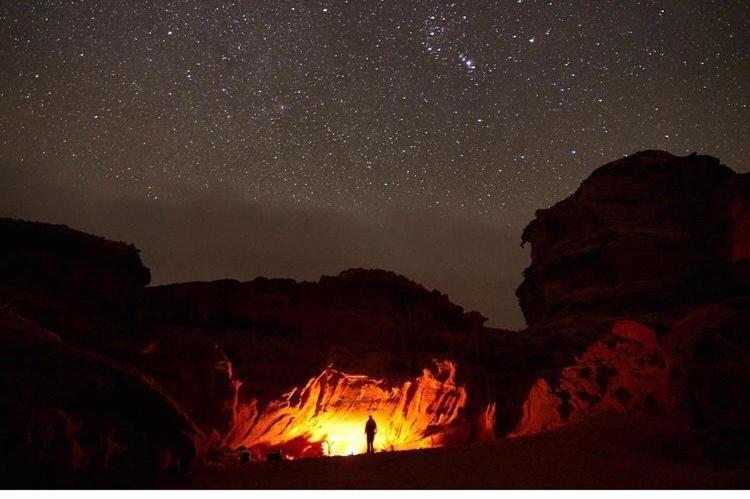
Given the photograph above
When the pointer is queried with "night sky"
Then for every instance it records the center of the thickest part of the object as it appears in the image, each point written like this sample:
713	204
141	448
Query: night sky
300	138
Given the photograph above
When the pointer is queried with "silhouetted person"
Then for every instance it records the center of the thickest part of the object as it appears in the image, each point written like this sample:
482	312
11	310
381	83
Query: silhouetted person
371	428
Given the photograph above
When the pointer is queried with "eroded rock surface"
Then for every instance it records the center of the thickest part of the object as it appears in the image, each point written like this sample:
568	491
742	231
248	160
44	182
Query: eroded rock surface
212	350
70	418
622	371
645	233
642	272
325	416
221	345
637	300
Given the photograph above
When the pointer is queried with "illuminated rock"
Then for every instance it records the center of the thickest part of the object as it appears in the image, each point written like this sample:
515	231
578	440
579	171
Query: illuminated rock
277	334
624	371
636	298
327	416
642	274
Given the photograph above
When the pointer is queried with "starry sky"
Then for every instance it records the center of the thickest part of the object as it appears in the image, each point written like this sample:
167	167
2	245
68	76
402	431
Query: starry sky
299	138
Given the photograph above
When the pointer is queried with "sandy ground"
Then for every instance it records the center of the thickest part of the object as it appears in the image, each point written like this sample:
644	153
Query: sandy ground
610	452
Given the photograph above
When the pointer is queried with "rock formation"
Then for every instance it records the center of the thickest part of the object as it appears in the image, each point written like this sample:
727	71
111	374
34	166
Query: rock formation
624	370
367	322
70	416
80	286
637	299
73	418
641	234
215	351
325	416
646	266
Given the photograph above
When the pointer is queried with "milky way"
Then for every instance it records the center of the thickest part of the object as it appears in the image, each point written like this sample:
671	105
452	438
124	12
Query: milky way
474	112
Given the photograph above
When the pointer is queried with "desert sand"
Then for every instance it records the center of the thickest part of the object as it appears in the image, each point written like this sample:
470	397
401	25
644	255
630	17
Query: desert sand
610	451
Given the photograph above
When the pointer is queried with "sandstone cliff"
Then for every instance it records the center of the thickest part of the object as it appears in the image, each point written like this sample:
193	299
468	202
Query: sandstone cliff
644	272
641	234
219	345
637	300
71	418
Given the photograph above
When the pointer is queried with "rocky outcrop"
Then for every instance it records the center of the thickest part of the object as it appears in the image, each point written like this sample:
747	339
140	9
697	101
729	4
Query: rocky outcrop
70	416
325	416
637	300
645	233
708	354
644	272
74	419
80	286
216	349
54	256
366	305
216	344
623	371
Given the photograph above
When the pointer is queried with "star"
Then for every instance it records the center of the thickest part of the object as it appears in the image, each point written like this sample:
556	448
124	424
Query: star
477	113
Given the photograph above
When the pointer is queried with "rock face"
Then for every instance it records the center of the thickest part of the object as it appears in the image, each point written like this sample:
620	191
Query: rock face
212	351
43	256
325	416
74	419
641	234
637	300
708	354
80	286
270	335
623	371
646	266
71	417
222	345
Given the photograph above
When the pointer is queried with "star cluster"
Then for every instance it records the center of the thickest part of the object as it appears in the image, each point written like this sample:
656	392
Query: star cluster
482	109
475	106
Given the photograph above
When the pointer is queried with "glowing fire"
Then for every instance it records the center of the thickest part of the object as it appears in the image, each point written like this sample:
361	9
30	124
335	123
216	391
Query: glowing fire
327	416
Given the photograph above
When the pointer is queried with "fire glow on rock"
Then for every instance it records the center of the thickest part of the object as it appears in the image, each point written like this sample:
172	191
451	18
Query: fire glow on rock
327	416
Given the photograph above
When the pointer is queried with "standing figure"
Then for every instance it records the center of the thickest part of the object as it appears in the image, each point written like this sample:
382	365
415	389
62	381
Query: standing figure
371	428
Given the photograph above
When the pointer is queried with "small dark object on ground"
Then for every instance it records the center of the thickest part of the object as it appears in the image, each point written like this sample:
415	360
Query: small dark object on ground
275	456
245	457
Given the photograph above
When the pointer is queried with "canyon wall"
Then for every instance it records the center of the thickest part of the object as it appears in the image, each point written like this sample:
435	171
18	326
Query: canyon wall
69	416
326	415
642	234
250	343
215	351
637	300
643	272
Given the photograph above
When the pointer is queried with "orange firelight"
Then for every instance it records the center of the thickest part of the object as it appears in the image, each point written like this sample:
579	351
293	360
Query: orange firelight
327	416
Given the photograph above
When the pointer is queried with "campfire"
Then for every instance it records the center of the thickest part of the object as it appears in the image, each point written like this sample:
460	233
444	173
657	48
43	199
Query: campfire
326	416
